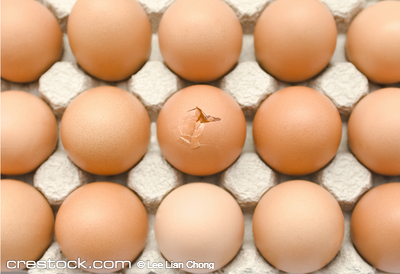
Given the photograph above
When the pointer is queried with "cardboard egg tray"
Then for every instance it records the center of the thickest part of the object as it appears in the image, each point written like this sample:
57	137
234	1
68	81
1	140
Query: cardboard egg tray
249	177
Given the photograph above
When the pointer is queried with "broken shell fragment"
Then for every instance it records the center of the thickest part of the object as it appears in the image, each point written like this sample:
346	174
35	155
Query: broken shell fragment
191	125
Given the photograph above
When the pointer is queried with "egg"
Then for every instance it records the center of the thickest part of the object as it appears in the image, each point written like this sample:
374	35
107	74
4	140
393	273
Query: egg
373	42
199	222
200	40
375	227
297	130
102	221
110	39
295	40
298	226
29	132
31	40
201	130
105	130
27	224
374	131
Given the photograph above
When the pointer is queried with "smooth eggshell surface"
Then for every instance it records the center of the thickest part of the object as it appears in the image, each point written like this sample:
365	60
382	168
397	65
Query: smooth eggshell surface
373	42
29	132
27	223
298	226
297	130
102	221
111	40
374	131
105	130
200	40
375	227
294	40
201	130
199	222
31	40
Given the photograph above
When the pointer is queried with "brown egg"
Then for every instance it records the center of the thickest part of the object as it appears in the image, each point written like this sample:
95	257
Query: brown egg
102	221
110	39
200	40
27	224
199	222
297	130
375	227
29	132
105	130
298	226
201	130
373	42
31	40
295	40
374	131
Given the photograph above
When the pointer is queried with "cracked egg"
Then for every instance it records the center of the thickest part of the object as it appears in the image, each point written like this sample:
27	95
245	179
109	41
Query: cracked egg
201	130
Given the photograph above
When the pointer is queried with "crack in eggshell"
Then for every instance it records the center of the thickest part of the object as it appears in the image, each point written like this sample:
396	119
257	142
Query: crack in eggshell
191	125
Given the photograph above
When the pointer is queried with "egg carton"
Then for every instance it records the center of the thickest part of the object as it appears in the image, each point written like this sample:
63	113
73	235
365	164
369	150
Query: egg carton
249	177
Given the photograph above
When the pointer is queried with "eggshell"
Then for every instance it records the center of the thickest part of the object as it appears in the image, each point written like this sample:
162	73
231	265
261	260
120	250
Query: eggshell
375	227
27	223
297	130
110	39
29	132
31	40
201	130
294	40
102	221
373	42
200	40
374	131
105	130
298	226
199	222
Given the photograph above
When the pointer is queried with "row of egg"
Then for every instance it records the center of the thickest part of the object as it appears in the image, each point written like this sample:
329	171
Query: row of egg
201	131
199	40
298	226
